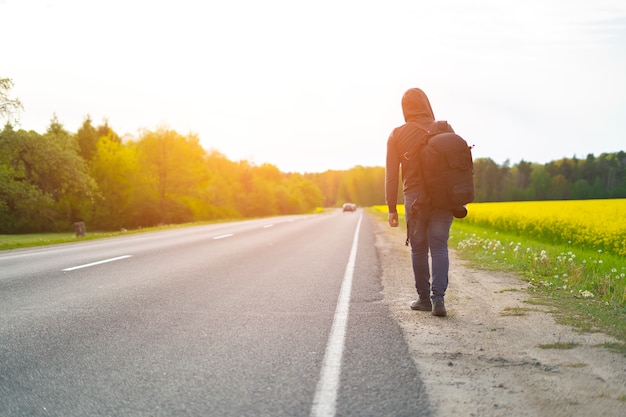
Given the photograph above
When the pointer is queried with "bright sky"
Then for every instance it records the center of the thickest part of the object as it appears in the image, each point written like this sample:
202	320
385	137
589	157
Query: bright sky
315	85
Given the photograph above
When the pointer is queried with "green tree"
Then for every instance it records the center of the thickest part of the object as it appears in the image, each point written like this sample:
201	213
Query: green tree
259	190
589	169
328	182
106	130
175	172
540	182
488	178
63	173
9	107
580	190
87	139
115	167
309	193
24	207
88	136
46	171
523	169
362	185
299	195
559	188
222	187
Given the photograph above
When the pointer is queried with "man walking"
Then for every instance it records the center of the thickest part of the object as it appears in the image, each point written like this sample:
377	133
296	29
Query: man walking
428	228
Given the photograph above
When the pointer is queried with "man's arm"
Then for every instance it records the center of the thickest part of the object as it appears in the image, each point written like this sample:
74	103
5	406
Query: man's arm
392	174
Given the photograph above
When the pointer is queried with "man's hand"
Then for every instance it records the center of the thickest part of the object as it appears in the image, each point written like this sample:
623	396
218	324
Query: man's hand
393	219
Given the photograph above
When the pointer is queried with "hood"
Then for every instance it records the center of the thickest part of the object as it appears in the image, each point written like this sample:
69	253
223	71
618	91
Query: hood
416	107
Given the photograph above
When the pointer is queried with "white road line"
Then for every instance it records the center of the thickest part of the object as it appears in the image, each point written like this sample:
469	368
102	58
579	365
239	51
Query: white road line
325	401
222	236
97	263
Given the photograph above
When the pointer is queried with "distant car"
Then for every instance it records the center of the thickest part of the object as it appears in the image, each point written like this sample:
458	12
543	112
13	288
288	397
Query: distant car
349	207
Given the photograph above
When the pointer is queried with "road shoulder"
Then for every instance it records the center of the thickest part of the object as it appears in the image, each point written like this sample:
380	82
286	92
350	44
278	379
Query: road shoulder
488	357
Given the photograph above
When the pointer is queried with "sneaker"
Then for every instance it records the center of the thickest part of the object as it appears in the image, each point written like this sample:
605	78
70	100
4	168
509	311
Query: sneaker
423	304
439	309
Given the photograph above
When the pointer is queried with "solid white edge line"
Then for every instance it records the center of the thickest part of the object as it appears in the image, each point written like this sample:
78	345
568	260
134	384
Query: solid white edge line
325	400
97	263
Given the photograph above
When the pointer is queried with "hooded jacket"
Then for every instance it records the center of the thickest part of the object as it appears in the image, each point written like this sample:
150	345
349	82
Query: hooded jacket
417	111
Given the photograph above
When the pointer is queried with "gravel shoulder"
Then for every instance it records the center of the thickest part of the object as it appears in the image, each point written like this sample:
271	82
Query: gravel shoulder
485	358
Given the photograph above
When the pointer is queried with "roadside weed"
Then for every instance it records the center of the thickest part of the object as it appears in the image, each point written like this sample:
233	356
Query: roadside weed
558	345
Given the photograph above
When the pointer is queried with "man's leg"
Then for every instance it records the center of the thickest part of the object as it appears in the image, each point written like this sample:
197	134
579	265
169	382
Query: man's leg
438	235
418	240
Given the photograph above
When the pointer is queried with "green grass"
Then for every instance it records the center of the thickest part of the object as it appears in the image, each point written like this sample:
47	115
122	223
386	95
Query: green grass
584	289
616	347
558	345
41	239
516	311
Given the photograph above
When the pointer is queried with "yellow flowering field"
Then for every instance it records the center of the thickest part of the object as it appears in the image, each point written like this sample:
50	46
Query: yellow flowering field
571	246
588	224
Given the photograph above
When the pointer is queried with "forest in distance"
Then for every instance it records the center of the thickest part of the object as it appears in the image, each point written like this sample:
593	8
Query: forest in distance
49	181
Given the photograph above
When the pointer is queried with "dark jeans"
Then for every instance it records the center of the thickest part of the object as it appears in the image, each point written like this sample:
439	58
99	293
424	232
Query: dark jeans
429	230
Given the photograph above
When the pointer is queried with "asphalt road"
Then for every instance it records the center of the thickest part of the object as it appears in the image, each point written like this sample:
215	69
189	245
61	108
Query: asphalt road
232	319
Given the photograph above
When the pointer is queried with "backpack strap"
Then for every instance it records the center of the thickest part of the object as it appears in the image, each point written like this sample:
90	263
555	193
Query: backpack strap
431	130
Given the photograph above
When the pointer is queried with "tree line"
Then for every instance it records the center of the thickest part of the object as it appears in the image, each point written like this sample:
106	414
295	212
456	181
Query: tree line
594	177
50	181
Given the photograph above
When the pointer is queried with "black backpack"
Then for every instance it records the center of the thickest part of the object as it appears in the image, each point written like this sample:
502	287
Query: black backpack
447	168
